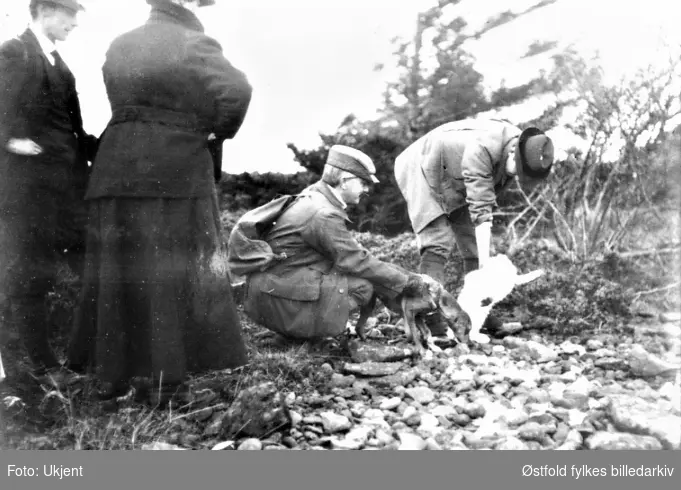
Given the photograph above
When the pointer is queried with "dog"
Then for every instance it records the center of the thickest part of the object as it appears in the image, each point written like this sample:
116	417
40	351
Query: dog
487	286
432	297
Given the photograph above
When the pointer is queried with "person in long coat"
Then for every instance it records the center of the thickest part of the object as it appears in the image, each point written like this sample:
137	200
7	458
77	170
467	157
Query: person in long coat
157	302
44	154
450	179
325	273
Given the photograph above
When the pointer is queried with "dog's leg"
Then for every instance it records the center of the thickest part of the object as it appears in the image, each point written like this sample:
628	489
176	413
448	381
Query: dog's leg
428	336
410	323
364	313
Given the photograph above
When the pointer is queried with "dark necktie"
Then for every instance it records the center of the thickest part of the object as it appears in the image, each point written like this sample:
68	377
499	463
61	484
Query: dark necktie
59	62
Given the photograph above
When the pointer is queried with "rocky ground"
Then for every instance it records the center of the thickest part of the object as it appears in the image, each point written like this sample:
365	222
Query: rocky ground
522	392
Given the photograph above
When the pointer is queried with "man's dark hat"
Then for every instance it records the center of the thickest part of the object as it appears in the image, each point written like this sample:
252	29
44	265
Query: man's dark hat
533	155
71	5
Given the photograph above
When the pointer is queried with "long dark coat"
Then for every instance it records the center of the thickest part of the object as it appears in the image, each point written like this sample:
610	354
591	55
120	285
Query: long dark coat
157	300
306	294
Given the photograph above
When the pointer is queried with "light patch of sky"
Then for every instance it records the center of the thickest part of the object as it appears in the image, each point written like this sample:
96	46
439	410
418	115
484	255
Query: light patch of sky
311	61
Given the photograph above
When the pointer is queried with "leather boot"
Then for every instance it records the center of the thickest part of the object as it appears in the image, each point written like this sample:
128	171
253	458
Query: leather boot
470	264
433	265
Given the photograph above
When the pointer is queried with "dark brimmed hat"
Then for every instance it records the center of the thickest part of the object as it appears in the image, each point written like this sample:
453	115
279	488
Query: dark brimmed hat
71	5
352	161
533	156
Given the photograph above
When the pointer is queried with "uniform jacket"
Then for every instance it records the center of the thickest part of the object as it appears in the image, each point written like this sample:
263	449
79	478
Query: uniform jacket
306	294
169	87
25	103
457	164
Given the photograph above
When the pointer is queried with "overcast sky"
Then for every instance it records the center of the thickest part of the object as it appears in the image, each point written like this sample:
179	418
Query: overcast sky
311	61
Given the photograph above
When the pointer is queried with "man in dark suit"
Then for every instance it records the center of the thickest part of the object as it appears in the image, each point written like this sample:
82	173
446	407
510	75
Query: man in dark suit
44	154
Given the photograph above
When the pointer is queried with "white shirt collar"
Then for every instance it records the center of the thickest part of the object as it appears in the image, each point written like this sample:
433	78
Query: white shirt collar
337	194
45	44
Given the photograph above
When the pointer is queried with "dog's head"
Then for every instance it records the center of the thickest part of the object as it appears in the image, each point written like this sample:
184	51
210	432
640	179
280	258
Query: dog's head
442	300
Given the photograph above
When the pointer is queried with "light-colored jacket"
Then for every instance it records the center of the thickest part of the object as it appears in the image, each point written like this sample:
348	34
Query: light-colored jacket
306	294
457	164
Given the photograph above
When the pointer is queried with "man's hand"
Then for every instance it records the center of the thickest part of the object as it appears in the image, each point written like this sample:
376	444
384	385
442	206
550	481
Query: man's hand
23	146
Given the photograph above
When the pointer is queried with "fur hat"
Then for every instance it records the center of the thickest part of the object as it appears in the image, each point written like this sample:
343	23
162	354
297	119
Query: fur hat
352	161
533	155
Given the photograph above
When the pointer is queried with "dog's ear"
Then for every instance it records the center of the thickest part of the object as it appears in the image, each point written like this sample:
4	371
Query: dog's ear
448	305
529	277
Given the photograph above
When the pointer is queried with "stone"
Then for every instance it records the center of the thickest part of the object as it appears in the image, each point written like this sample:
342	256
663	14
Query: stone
444	411
250	444
644	364
576	418
296	418
632	414
390	403
289	442
610	363
533	431
489	429
575	395
372	368
364	351
499	389
594	344
515	417
474	442
511	443
221	446
421	394
333	422
569	348
513	342
383	437
373	413
460	419
401	378
572	442
340	381
353	440
474	410
411	442
409	411
539	396
621	441
671	317
456	372
432	445
161	446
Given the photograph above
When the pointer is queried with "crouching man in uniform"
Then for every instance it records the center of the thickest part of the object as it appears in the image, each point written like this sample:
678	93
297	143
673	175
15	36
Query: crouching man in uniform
450	179
325	274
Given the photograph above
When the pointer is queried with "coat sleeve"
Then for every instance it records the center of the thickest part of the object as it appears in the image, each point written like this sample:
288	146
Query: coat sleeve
478	175
13	73
327	233
227	85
